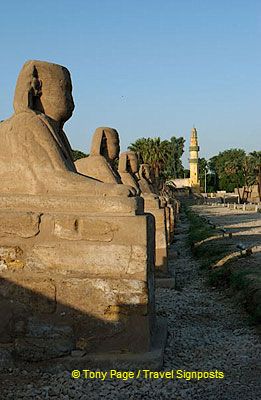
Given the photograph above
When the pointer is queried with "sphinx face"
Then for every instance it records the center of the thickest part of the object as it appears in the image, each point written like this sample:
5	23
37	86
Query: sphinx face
56	99
146	172
133	162
44	87
110	145
113	146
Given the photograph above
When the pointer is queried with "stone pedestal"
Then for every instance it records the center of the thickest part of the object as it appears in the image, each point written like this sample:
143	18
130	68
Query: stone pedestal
77	279
172	213
151	205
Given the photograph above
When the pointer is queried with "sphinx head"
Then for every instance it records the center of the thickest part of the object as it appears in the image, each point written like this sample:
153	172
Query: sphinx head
44	87
145	172
106	142
128	162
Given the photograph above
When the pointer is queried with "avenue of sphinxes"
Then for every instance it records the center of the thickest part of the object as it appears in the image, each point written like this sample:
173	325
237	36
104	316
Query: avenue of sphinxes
77	255
99	164
166	201
128	169
130	200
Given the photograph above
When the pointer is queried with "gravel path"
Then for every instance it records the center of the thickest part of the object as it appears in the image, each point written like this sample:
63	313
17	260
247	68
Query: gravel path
244	225
207	332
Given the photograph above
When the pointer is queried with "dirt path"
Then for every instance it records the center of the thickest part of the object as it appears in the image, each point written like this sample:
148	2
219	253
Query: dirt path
245	226
207	332
210	332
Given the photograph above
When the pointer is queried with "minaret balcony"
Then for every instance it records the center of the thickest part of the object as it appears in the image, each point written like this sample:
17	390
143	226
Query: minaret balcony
193	148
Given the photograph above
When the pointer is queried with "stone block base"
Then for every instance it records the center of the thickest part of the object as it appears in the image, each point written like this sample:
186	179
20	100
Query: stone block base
161	245
121	360
81	282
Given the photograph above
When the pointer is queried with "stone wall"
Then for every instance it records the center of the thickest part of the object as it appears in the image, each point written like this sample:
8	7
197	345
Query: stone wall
91	275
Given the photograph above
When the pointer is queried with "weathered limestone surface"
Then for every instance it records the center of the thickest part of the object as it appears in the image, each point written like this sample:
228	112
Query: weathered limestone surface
96	281
128	170
144	180
76	254
104	150
147	188
128	167
35	153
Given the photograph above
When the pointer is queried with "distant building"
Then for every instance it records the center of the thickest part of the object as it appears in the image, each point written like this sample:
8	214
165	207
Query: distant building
181	183
193	180
193	159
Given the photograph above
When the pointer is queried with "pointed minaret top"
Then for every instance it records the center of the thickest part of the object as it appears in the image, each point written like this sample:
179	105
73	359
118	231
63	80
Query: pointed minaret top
194	132
194	137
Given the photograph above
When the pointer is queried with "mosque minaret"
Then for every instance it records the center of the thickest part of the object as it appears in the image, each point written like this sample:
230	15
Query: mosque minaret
193	159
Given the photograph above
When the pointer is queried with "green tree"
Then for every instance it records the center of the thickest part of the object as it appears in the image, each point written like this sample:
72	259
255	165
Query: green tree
78	154
203	168
163	156
141	148
152	151
228	168
159	153
173	166
186	173
253	170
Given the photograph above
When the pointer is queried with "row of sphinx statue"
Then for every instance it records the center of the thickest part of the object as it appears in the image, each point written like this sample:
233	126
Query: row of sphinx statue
80	242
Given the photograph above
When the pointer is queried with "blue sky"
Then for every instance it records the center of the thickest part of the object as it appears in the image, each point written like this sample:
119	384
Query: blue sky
145	67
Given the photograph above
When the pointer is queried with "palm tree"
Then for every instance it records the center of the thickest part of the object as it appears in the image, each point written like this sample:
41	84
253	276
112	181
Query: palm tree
255	172
154	152
140	147
158	154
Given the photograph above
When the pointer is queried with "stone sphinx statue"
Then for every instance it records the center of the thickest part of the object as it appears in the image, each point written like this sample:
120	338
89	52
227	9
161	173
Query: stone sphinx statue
148	189
35	154
147	184
104	151
128	168
166	201
76	254
144	181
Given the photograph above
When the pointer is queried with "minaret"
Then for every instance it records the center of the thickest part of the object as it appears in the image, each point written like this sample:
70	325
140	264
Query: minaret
193	158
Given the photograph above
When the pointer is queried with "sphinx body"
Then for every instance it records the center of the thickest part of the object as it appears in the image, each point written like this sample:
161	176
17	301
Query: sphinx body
128	170
128	167
73	250
104	151
35	154
100	164
144	180
169	204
